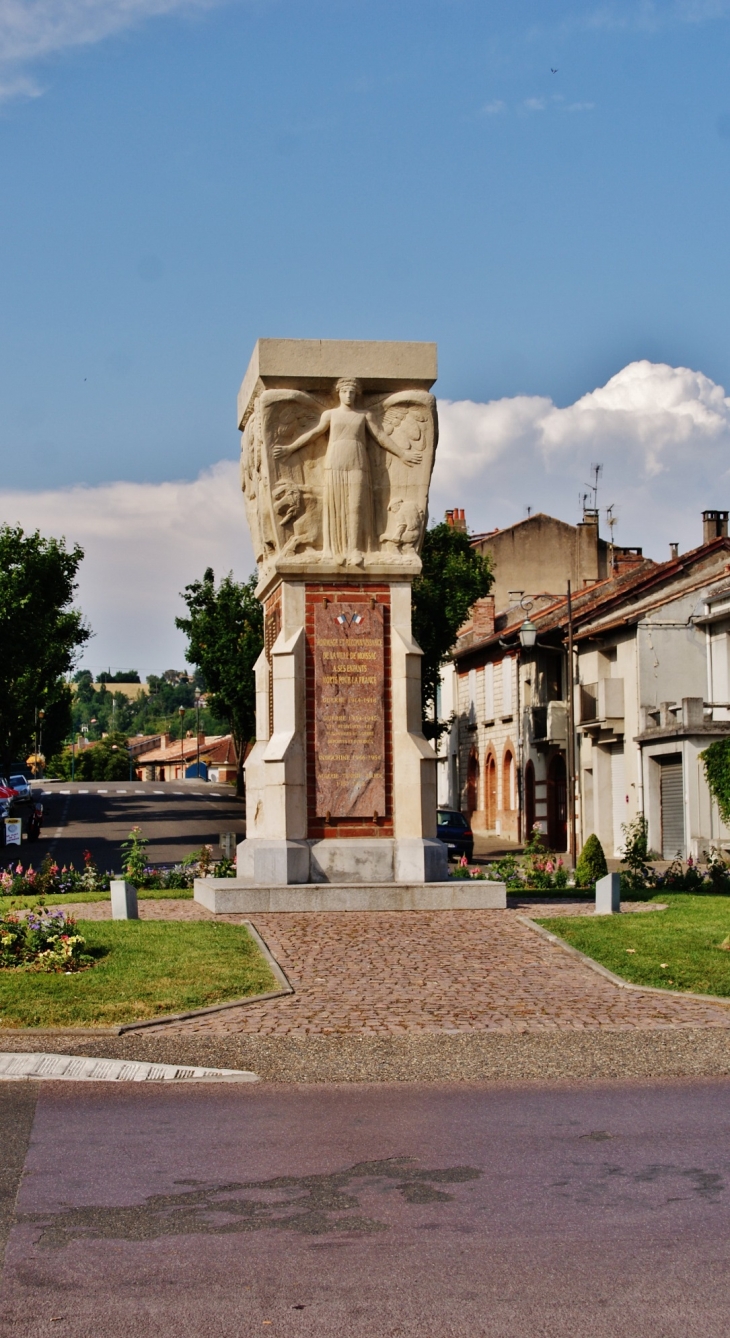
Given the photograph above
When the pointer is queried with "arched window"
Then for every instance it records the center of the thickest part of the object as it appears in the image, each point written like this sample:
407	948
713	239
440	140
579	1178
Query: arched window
508	775
491	792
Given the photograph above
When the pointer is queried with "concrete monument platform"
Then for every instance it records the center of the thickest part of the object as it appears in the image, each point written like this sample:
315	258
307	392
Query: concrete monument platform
228	896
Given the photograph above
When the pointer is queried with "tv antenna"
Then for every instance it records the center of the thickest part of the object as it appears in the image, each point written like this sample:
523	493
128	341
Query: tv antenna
596	472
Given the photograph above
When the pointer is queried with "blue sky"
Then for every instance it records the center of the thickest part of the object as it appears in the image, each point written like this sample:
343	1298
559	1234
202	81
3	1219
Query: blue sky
178	179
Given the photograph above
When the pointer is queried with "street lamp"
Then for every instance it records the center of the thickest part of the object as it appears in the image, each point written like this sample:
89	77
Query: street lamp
39	740
181	713
528	630
197	730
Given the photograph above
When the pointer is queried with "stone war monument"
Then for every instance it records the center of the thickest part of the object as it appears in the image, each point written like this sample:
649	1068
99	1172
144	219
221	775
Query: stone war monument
337	449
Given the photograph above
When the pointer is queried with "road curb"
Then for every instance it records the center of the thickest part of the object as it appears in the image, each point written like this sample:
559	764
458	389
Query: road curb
610	975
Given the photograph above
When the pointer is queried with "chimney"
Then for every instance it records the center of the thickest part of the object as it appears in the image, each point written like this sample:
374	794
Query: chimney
456	519
482	617
714	526
673	552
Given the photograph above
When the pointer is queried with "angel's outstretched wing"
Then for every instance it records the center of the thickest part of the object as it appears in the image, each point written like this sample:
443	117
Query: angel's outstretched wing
408	418
285	416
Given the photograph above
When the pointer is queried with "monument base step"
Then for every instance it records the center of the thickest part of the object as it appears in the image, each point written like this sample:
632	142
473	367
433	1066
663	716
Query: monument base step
228	896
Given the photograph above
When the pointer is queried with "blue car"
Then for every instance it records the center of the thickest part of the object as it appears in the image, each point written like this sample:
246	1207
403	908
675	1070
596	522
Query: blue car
453	829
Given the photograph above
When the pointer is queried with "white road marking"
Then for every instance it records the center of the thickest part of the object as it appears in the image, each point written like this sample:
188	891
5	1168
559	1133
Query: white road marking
102	792
82	791
120	791
74	1068
178	792
158	791
64	791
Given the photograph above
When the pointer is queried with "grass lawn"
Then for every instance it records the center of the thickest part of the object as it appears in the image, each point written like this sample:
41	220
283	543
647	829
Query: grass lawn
143	969
77	898
675	949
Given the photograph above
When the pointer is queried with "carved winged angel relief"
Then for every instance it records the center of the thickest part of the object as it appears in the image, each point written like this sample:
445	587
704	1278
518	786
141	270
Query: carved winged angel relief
338	480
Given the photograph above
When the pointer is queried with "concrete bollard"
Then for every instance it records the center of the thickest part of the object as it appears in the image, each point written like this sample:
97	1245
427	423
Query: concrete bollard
124	900
608	894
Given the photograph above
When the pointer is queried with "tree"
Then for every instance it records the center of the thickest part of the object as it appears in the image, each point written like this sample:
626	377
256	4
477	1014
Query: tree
39	635
454	575
225	638
107	760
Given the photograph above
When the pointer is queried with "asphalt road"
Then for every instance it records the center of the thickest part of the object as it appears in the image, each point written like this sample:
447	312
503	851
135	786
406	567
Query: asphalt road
175	817
593	1212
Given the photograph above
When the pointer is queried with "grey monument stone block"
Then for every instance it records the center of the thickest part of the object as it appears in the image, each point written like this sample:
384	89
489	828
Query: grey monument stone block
608	894
124	900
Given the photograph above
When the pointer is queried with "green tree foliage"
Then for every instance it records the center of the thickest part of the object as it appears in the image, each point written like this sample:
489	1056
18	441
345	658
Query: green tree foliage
454	575
39	634
716	760
107	760
156	711
225	631
591	863
122	676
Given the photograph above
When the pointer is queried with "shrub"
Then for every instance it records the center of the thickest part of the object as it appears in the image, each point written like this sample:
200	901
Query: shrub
591	863
637	874
42	941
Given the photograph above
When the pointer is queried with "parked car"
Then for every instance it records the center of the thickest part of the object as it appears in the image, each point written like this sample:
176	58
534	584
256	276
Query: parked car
6	811
21	785
453	829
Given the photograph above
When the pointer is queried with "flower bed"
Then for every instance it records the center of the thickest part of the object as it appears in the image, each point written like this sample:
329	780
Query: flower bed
53	881
42	940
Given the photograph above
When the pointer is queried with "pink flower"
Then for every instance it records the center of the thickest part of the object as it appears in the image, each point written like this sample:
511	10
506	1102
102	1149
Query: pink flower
463	863
549	867
18	867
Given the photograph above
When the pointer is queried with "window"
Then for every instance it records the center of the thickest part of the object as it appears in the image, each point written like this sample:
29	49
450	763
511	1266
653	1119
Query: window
472	696
489	692
507	687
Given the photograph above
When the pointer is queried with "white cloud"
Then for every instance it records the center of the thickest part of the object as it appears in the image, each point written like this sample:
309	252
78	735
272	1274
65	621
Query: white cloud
535	104
580	106
494	108
662	434
143	543
31	30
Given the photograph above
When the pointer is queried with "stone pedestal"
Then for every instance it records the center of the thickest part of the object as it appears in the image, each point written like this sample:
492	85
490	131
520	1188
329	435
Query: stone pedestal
341	784
337	452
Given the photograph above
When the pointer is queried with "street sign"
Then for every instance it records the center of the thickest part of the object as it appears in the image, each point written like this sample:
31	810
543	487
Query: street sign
13	831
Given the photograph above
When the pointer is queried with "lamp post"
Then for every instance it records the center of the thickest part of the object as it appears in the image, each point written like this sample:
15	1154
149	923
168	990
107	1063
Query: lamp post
181	713
197	730
41	716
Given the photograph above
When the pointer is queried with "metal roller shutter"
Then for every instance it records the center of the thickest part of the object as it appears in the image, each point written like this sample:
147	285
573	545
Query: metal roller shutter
672	794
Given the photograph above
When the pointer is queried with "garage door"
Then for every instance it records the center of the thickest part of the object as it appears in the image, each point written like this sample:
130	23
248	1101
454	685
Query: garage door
672	808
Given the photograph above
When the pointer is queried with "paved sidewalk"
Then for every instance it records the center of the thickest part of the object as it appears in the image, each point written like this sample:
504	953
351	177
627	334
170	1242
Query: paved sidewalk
390	974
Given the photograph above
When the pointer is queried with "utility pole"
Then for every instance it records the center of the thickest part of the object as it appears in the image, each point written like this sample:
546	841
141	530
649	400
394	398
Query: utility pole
197	731
571	736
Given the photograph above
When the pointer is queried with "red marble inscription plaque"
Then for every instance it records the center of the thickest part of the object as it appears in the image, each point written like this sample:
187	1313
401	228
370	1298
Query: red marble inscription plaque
349	710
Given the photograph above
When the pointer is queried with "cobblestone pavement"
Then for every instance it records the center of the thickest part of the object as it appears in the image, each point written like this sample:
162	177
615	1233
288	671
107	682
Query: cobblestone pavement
426	972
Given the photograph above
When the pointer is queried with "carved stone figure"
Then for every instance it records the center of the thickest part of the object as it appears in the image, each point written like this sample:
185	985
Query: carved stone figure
338	478
405	526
